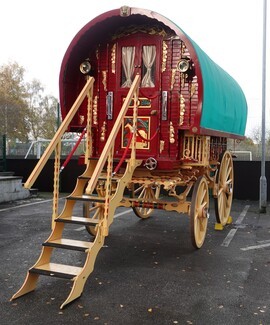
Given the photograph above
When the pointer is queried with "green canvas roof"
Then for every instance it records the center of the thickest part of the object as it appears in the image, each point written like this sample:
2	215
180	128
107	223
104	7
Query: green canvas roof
224	106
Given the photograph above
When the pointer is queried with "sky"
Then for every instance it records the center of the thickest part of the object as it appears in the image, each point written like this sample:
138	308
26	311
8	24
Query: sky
36	34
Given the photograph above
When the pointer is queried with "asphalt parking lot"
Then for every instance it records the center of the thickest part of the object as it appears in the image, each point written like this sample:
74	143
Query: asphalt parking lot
147	273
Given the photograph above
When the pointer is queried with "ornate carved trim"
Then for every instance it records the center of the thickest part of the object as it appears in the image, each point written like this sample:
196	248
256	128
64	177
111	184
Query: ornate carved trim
132	29
95	110
113	55
103	132
182	109
173	78
164	56
172	132
104	80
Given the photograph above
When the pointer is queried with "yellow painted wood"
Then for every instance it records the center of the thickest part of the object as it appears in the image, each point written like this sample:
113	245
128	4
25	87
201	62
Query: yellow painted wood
111	202
71	243
57	137
80	219
56	181
88	267
28	285
89	136
60	268
111	139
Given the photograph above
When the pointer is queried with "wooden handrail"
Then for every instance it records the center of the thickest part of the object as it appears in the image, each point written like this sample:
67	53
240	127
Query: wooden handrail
58	135
111	139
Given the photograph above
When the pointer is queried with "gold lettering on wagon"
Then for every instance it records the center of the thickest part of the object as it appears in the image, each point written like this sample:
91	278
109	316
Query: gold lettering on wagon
182	109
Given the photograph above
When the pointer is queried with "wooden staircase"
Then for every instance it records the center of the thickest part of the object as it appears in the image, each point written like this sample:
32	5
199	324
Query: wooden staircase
106	204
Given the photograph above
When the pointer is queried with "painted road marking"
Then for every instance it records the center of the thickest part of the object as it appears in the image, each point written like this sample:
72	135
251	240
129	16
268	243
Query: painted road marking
121	213
232	232
27	204
115	216
263	243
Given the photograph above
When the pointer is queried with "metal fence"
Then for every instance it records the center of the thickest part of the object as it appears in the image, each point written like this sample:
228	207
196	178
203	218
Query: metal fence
34	149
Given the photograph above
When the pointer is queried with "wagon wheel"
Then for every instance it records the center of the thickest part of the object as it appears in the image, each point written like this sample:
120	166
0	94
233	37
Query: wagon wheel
223	201
199	212
92	210
147	192
95	210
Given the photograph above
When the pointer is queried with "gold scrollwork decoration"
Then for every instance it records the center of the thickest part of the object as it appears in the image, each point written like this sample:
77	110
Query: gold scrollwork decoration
104	79
103	132
95	110
81	119
113	55
132	29
172	132
161	146
173	78
182	109
183	50
193	89
164	55
183	77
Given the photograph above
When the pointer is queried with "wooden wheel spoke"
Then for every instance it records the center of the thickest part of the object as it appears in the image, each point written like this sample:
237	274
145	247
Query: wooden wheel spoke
144	193
204	205
93	208
223	200
202	196
228	174
198	212
220	191
229	181
201	224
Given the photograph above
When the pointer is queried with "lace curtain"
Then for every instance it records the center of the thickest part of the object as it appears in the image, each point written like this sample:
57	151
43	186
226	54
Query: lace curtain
149	56
128	55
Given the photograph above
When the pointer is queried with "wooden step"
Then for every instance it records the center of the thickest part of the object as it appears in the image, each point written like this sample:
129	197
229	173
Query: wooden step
83	177
87	198
78	220
71	244
102	177
57	270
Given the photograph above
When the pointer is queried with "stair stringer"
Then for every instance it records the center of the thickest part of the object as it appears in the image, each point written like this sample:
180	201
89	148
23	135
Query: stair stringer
82	181
124	181
80	280
31	279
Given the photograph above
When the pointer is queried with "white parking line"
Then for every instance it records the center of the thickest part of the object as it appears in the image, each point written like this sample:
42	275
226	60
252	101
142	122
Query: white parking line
121	213
232	232
115	216
26	205
256	246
